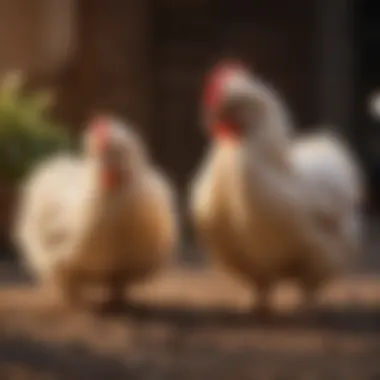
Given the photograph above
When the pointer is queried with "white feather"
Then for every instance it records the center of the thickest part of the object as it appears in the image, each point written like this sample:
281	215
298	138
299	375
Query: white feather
276	205
65	220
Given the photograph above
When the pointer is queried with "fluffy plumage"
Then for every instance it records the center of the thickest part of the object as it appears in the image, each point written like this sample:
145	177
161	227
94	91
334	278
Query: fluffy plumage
76	227
268	204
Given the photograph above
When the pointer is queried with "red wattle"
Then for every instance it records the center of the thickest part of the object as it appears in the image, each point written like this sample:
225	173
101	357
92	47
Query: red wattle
109	180
212	96
224	132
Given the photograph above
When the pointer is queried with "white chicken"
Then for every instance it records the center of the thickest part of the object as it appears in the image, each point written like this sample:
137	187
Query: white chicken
106	218
266	203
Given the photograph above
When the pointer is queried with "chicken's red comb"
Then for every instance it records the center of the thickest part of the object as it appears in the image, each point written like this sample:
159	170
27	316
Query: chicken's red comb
99	128
216	79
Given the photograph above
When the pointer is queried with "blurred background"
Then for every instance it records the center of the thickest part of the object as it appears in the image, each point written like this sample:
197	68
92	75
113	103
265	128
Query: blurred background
145	60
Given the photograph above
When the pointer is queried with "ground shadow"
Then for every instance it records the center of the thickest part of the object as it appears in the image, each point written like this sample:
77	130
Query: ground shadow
58	361
361	319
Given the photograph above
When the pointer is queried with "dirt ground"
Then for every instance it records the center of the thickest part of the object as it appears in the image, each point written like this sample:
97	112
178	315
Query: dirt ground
192	324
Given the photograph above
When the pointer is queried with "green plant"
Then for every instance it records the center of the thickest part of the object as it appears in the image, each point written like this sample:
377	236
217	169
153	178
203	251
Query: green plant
27	134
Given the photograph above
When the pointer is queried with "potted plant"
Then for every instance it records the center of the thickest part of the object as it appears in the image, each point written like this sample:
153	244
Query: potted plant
27	135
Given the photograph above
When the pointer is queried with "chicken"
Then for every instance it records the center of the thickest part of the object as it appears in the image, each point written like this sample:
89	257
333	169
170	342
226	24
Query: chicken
268	204
106	218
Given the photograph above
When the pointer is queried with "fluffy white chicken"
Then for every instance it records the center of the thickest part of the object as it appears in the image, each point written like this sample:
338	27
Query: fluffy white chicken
266	203
106	218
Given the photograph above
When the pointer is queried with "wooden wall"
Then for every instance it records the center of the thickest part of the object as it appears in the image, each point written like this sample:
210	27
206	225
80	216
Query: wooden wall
275	38
146	60
112	66
36	36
